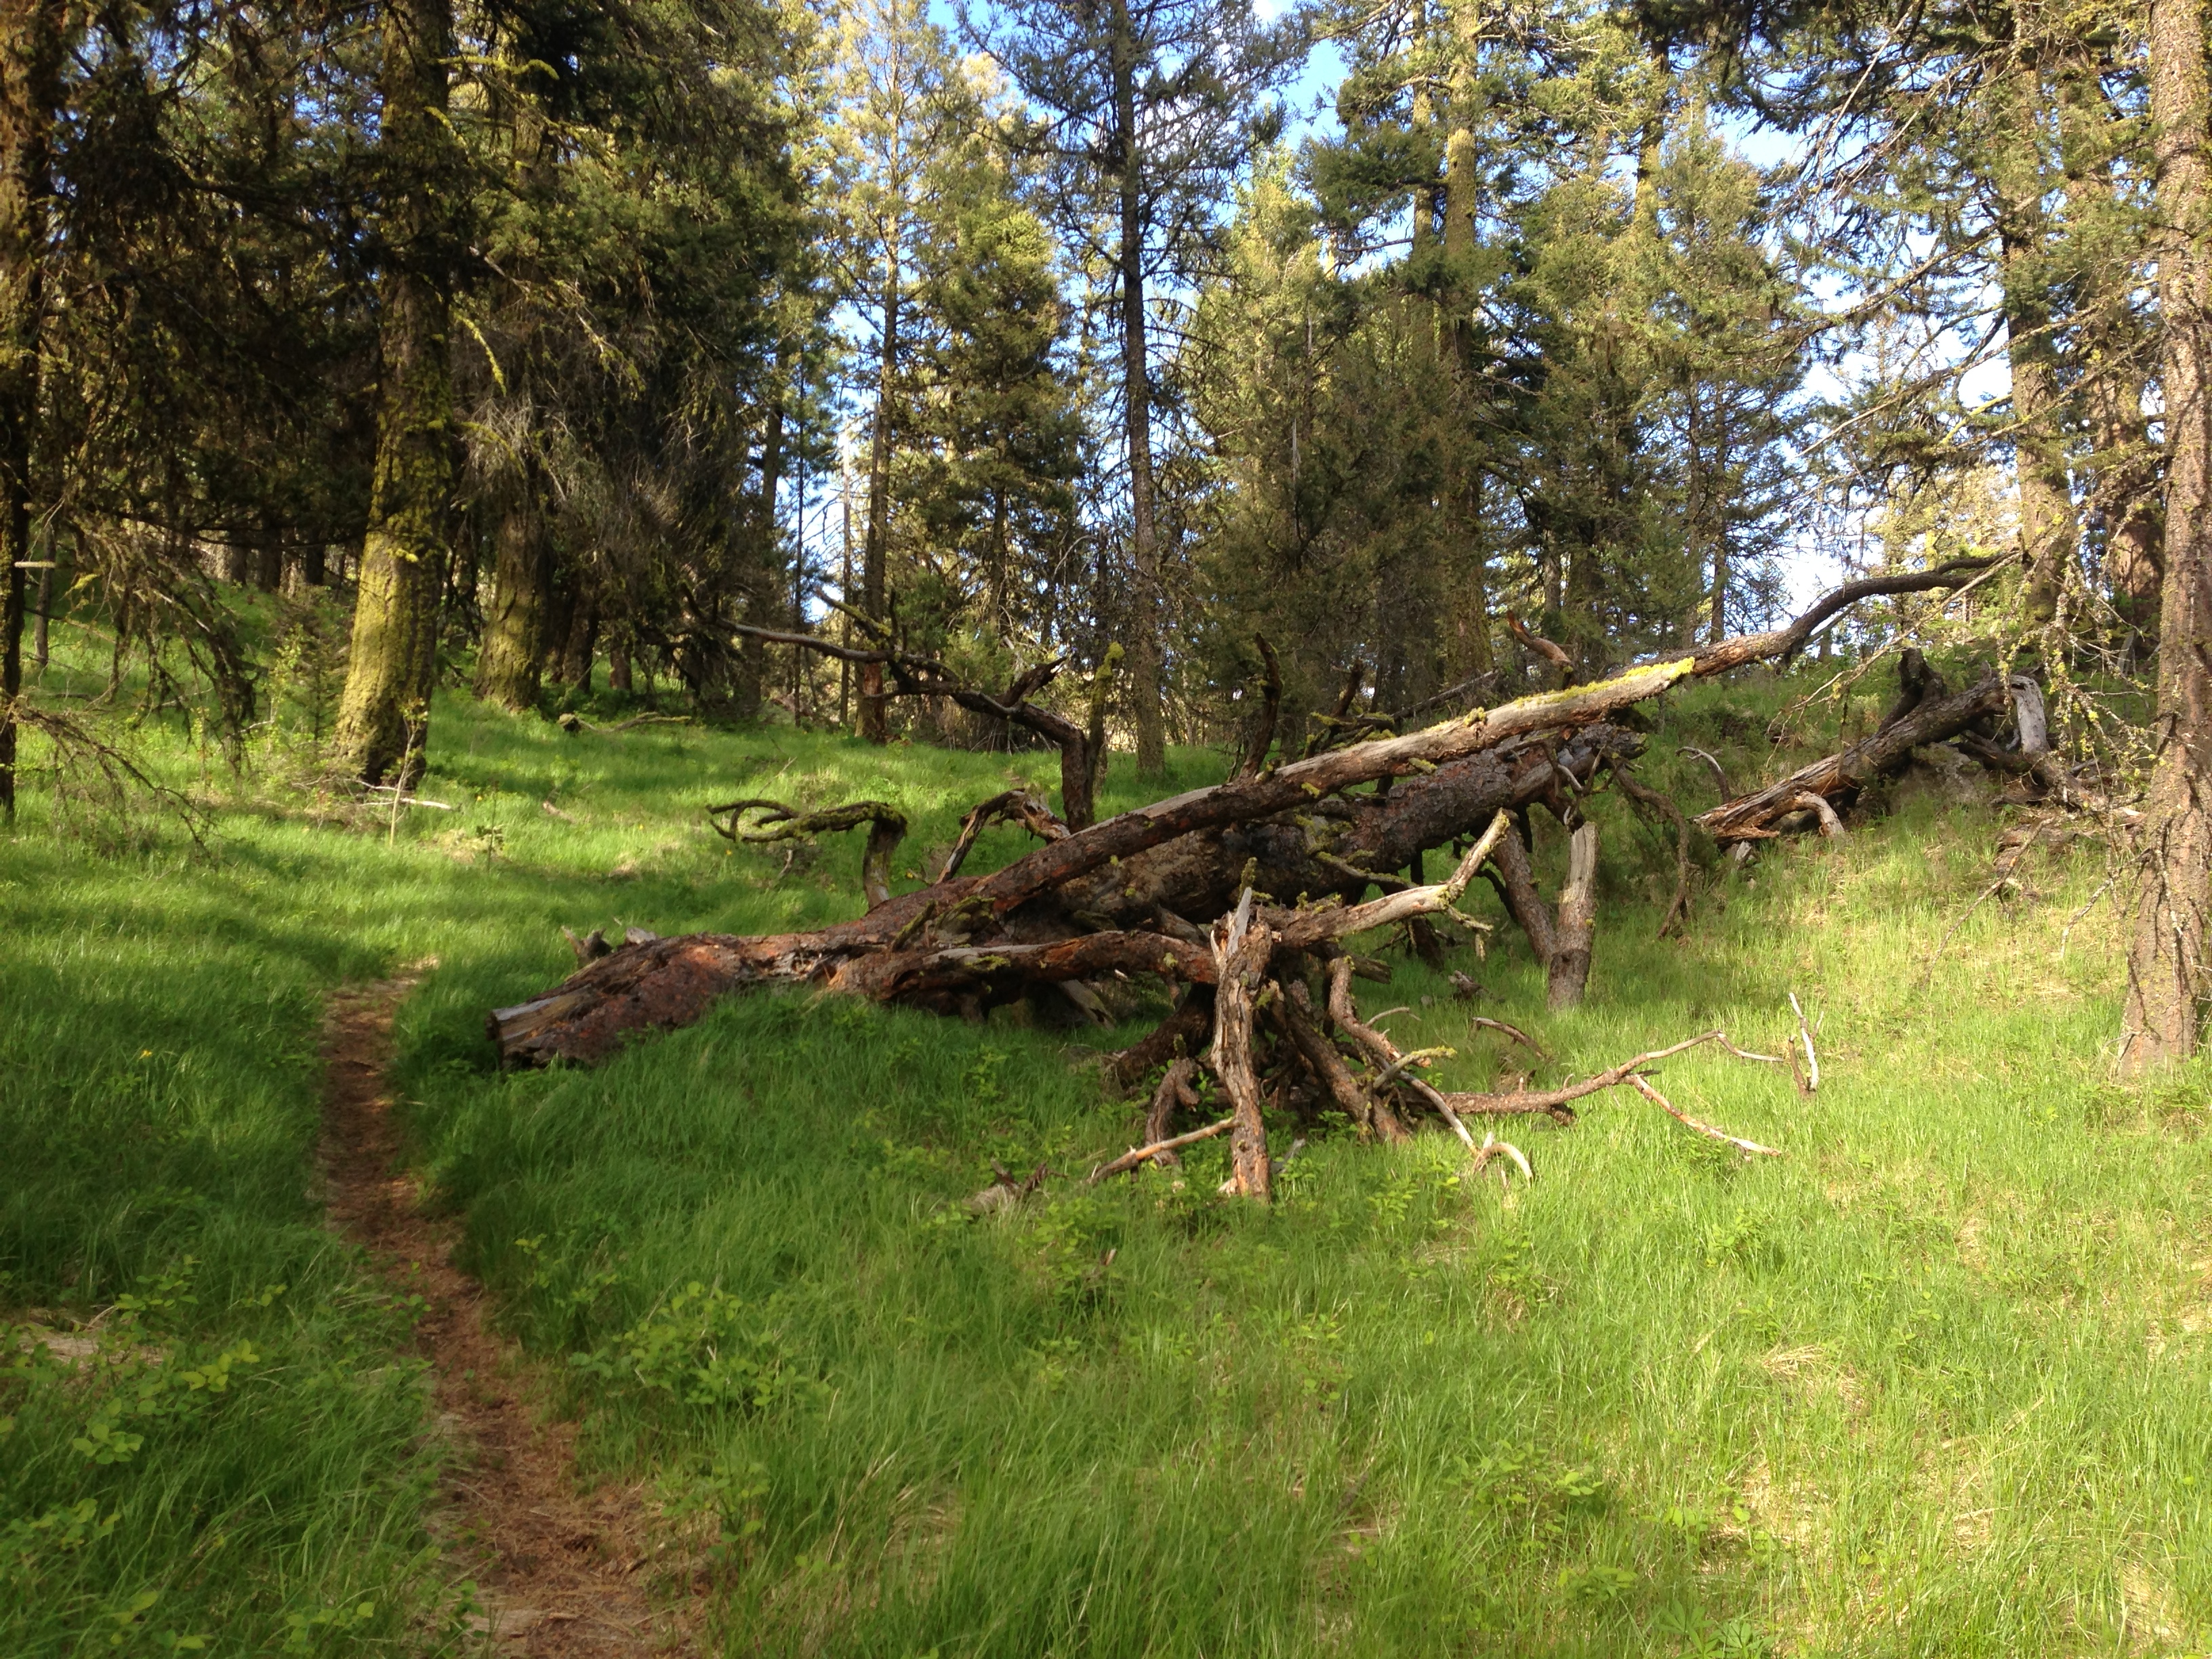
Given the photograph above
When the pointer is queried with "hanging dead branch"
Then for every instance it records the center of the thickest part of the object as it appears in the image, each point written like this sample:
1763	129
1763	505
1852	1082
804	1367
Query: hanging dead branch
1655	804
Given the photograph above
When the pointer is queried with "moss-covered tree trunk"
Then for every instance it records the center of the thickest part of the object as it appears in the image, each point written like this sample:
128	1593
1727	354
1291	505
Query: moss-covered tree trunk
2173	896
509	665
384	715
30	91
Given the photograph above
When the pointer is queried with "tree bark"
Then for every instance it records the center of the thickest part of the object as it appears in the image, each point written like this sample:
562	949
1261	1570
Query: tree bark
384	712
30	95
2172	898
1147	648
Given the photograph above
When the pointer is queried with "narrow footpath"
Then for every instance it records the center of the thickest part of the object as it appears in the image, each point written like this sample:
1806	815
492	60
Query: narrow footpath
560	1572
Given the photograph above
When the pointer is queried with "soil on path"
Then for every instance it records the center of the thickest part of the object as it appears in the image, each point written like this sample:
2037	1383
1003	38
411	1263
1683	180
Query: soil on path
559	1571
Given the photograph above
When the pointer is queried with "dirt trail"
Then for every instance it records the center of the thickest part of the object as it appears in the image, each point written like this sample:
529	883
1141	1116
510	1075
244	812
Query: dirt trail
559	1571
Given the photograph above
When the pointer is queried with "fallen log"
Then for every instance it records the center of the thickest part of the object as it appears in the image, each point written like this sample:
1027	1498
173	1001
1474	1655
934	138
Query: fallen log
1121	896
1836	779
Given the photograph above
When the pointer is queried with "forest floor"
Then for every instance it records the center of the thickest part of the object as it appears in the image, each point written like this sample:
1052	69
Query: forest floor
1934	1382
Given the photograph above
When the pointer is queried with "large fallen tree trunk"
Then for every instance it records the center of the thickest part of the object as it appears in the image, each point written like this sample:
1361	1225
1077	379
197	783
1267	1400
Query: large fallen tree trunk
1131	894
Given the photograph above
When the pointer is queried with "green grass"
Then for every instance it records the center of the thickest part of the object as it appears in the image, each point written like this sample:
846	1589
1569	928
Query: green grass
1936	1382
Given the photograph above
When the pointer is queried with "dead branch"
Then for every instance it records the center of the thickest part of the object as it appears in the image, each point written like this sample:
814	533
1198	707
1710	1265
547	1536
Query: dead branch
1665	1105
1493	1149
1558	1103
1652	801
1720	777
777	822
1301	930
915	676
1271	706
1831	826
1139	1155
1513	1031
1537	643
1810	1082
1184	1031
1320	1056
1015	805
1930	720
1785	642
1175	1091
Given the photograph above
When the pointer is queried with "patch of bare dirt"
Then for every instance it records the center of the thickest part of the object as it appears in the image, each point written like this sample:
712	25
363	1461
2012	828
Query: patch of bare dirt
560	1570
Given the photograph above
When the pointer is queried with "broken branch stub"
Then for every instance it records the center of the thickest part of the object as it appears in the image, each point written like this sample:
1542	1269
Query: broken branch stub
1243	946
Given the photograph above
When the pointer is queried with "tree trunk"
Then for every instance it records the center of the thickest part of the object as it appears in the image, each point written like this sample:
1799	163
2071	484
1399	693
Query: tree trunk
875	724
384	712
1147	664
509	666
2125	464
39	641
2174	891
1461	203
581	648
269	558
30	93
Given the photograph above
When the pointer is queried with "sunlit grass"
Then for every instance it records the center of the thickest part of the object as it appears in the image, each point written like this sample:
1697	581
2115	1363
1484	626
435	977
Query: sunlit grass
1934	1382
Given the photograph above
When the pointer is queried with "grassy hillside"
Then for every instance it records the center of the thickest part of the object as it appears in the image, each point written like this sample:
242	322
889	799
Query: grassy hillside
1933	1382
